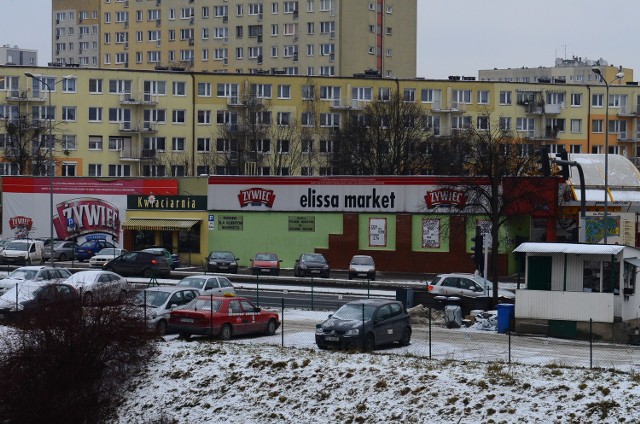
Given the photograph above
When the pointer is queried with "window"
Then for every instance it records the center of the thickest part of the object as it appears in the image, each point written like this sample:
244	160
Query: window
115	143
525	124
597	100
429	95
95	170
483	123
461	122
177	144
95	114
308	92
120	86
179	88
119	170
204	117
307	119
483	97
204	89
555	98
409	95
203	145
154	143
596	126
153	171
68	113
462	96
262	146
307	146
284	119
224	145
576	125
310	28
362	93
329	119
227	90
68	142
178	116
575	148
283	146
326	146
329	93
95	142
505	97
261	91
284	91
576	99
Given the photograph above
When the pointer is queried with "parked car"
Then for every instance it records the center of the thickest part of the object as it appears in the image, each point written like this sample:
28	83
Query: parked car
31	297
362	266
62	251
265	263
222	261
222	316
365	324
173	259
90	248
466	285
140	263
209	284
23	251
105	255
3	243
311	264
35	273
160	301
99	286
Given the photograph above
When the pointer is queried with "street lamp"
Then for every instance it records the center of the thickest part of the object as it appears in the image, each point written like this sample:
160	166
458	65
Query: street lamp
596	70
49	138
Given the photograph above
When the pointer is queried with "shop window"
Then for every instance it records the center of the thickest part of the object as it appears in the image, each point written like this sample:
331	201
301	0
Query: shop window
189	240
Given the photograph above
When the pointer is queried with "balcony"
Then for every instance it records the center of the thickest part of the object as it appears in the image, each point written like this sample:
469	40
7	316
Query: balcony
628	111
138	99
149	127
26	96
128	153
454	107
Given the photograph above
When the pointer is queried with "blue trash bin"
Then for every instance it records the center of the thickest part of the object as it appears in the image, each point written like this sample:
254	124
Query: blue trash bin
506	313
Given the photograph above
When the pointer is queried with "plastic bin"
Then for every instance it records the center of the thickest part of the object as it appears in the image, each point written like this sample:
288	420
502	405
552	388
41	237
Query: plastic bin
506	314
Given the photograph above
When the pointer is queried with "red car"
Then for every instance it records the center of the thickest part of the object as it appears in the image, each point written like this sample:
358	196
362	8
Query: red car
222	316
265	263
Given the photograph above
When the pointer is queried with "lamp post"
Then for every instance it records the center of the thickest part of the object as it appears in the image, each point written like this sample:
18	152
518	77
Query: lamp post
596	70
51	146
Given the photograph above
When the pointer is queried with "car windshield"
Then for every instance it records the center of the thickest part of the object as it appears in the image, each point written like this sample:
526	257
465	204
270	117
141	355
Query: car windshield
154	298
25	292
23	274
191	282
362	260
352	311
109	251
17	246
266	257
222	255
313	258
204	305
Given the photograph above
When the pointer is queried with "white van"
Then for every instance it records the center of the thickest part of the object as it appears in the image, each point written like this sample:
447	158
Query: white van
24	252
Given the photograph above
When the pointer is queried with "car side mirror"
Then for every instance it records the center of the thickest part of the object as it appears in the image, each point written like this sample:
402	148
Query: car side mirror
279	260
297	260
173	306
258	309
330	315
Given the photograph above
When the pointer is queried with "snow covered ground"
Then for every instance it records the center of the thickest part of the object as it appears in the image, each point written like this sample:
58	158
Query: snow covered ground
254	380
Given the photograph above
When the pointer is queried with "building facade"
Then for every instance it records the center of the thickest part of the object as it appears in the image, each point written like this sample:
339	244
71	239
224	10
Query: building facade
305	37
14	55
121	123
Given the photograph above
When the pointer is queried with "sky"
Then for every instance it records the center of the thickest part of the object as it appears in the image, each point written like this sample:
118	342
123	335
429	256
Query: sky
455	37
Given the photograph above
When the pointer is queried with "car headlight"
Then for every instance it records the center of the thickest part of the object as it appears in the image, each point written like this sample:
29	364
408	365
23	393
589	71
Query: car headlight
303	266
213	262
352	332
319	329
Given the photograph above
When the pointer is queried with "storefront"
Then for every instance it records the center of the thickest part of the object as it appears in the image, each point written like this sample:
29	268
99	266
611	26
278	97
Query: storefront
173	222
410	224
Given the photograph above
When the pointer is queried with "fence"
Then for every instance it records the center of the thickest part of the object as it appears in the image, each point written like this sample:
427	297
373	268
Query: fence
432	339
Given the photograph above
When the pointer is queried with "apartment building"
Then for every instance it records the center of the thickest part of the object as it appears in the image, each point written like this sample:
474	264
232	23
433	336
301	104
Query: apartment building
14	55
119	123
302	37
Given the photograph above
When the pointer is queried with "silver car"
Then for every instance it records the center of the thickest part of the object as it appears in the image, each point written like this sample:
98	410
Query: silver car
158	302
37	273
97	285
362	266
466	285
62	251
209	284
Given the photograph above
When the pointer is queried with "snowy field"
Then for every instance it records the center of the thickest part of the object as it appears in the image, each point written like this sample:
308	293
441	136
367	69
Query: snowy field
254	380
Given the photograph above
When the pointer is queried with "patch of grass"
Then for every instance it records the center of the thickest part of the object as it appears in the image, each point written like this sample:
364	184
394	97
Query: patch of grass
604	390
452	400
361	407
381	384
603	408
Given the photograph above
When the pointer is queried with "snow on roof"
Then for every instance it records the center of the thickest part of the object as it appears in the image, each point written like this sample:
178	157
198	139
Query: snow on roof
571	248
622	172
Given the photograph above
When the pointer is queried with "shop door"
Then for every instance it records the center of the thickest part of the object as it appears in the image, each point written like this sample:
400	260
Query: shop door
539	272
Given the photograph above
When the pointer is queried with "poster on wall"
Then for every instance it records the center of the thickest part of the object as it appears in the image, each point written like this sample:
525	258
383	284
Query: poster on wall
431	233
621	228
377	232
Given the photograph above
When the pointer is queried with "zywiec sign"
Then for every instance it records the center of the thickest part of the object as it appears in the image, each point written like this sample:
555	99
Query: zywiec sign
90	215
256	196
445	197
167	203
21	226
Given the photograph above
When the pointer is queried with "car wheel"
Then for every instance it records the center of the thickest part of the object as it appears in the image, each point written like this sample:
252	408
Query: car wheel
276	272
148	273
295	272
225	332
369	343
405	340
161	328
28	261
373	277
350	277
271	327
62	257
88	298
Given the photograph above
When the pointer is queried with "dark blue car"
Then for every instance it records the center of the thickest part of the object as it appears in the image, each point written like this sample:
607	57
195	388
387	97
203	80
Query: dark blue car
90	248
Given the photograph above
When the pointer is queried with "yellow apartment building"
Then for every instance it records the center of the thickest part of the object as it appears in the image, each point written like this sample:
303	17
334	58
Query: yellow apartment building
302	37
124	122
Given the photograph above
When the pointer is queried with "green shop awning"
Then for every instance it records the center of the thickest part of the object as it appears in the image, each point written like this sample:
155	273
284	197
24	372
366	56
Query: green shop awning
159	224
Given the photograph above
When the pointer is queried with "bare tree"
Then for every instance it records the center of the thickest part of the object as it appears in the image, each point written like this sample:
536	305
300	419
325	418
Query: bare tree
27	137
503	163
388	137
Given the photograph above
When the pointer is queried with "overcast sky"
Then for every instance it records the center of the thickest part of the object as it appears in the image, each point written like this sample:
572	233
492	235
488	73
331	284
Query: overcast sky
455	37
